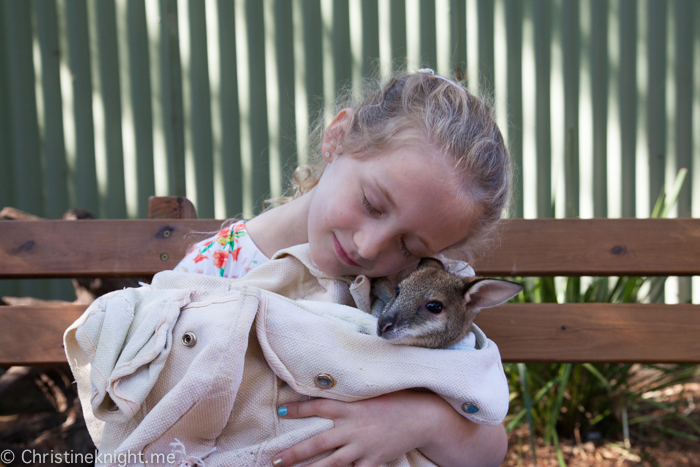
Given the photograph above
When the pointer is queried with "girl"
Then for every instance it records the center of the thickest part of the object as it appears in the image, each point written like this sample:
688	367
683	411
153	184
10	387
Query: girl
416	169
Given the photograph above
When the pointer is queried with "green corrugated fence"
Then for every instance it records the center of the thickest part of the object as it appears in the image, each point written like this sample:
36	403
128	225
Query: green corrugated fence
103	103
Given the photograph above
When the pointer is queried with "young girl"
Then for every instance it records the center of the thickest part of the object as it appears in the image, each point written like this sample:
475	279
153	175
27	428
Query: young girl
416	169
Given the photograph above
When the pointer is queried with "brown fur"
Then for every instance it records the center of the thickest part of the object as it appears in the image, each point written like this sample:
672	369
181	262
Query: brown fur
405	315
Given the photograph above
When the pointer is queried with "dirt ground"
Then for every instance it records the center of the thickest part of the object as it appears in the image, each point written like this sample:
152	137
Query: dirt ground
33	418
651	449
604	453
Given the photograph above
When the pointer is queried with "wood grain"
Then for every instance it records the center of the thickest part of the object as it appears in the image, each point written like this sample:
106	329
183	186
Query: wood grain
595	247
171	207
34	335
593	332
531	247
96	248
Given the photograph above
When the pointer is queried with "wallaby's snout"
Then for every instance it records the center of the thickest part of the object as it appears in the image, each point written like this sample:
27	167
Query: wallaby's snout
435	308
385	325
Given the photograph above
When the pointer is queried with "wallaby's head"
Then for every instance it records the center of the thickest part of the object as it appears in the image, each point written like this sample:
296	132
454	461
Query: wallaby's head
435	308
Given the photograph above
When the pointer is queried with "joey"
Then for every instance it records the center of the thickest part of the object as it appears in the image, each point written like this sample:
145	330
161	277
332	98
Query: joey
433	307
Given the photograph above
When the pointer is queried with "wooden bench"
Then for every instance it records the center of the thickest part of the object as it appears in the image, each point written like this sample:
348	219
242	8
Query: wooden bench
592	332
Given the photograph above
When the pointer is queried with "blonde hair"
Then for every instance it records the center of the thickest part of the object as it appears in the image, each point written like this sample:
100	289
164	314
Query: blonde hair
451	120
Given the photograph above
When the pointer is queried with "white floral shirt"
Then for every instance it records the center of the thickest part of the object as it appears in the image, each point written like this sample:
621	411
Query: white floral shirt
231	254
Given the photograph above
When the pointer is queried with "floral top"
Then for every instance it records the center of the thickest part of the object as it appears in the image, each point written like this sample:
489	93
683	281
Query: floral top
231	254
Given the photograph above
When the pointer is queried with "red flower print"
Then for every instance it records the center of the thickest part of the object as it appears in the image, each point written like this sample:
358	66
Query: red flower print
192	249
235	252
225	236
220	258
238	228
199	258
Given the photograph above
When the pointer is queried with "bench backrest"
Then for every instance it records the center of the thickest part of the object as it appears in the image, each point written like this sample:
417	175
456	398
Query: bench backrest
570	332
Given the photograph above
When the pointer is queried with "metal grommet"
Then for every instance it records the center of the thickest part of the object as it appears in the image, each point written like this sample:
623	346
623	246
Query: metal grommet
167	232
469	407
164	256
324	381
189	339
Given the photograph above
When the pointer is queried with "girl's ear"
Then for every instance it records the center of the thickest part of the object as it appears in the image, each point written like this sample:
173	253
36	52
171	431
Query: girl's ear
487	293
430	263
334	136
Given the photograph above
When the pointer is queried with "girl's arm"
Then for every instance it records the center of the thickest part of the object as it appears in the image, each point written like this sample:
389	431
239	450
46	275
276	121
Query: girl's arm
372	432
460	442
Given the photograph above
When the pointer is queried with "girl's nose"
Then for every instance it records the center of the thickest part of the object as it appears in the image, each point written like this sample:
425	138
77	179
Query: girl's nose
370	244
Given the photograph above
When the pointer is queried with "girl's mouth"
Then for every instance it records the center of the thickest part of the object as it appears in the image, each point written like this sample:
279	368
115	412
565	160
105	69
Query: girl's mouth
341	253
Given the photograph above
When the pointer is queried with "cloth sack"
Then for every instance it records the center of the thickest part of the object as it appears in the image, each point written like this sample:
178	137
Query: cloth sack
196	366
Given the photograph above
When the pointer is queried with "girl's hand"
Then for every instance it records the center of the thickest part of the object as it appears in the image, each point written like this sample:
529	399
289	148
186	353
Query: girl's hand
372	432
367	433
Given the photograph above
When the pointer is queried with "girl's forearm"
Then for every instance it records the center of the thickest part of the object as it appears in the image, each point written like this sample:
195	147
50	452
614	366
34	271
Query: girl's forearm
456	441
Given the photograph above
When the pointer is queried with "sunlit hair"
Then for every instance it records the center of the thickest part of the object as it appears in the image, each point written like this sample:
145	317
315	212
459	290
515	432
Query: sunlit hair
440	113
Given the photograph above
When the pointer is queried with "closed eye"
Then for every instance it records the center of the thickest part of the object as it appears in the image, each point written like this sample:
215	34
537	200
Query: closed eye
368	206
376	212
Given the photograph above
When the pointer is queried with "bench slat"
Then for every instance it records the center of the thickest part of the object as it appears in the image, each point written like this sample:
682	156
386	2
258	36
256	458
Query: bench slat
96	248
652	333
594	332
34	334
528	247
596	247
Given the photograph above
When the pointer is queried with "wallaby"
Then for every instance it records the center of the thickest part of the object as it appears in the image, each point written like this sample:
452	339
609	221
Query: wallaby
432	307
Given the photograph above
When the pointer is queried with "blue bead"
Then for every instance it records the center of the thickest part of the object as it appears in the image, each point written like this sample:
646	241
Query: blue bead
282	411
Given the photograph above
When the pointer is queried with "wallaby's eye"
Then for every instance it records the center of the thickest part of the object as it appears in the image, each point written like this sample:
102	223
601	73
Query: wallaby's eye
434	306
397	290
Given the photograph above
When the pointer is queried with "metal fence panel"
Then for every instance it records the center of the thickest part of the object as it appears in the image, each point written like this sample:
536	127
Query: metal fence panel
105	103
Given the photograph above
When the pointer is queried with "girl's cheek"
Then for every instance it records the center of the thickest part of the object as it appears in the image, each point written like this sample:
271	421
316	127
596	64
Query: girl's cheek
343	212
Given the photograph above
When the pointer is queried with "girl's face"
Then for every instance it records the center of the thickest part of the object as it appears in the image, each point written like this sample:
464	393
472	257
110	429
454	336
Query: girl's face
378	215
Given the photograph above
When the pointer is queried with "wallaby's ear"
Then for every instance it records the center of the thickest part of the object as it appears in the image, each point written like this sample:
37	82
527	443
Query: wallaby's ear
430	263
487	293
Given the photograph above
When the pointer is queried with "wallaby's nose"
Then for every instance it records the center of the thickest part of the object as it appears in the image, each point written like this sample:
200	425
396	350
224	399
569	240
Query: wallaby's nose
384	326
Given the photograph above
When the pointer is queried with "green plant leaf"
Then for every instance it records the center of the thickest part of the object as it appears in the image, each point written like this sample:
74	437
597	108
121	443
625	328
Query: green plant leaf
593	393
594	371
673	432
675	192
528	406
560	454
563	380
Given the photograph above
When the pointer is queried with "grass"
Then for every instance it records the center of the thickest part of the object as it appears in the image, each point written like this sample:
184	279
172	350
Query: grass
595	400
